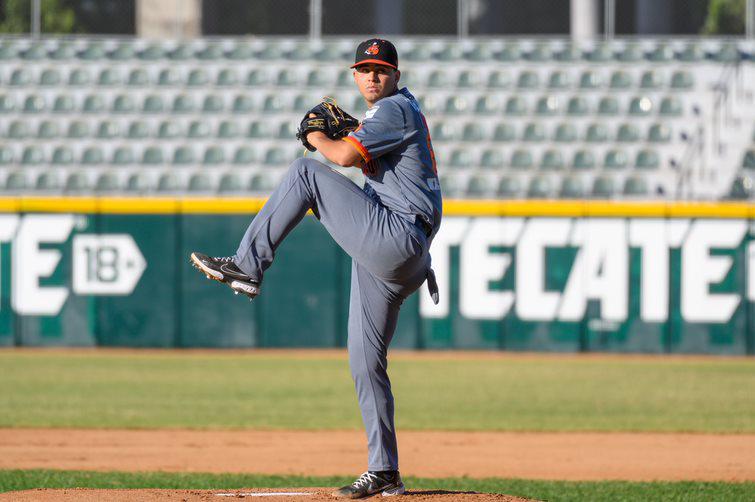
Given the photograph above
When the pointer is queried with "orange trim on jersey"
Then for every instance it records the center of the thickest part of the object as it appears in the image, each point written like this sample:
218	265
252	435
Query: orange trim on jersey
360	148
429	143
375	61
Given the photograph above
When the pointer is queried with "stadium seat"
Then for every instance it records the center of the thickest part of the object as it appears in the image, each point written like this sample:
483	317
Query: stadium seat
244	155
242	104
227	77
213	104
198	78
92	155
437	80
521	159
577	106
508	53
213	155
93	104
6	155
509	187
152	52
590	80
615	159
228	129
651	79
478	186
153	104
487	105
287	130
48	130
7	104
552	160
62	51
210	52
682	80
504	132
123	103
620	80
259	129
138	183
689	53
169	77
275	156
725	53
547	106
540	187
647	159
565	133
741	187
468	79
184	155
168	182
478	51
32	156
748	159
443	131
528	80
473	132
122	53
199	129
534	132
184	104
659	133
34	104
636	187
640	106
123	156
50	77
79	77
599	53
608	106
20	77
499	80
77	182
109	77
168	129
62	156
583	159
287	78
627	133
603	187
138	77
450	185
47	181
257	77
138	129
456	105
63	104
262	182
345	79
18	130
492	159
630	53
670	107
16	181
558	80
516	105
78	129
152	156
230	183
34	53
659	53
461	158
107	183
571	188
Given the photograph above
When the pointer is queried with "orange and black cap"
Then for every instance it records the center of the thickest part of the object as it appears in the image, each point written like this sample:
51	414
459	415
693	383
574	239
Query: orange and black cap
377	51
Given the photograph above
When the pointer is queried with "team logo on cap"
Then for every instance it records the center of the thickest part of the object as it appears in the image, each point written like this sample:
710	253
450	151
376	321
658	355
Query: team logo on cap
373	49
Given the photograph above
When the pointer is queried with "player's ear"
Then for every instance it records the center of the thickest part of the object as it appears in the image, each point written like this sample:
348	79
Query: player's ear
398	76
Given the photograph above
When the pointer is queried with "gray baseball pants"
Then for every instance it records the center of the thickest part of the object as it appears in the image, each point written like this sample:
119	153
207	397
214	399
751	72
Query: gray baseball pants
390	260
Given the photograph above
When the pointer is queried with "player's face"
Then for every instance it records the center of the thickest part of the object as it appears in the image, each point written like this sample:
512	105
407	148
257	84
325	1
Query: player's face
376	81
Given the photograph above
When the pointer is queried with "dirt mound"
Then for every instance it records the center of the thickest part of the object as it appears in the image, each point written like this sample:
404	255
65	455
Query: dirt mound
278	494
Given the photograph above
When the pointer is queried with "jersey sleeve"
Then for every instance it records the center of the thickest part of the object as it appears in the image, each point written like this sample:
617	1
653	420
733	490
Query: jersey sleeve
381	131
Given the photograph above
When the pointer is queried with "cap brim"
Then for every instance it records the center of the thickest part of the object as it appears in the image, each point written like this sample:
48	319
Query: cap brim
374	61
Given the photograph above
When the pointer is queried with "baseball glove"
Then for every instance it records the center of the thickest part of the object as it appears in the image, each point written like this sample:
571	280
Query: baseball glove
328	118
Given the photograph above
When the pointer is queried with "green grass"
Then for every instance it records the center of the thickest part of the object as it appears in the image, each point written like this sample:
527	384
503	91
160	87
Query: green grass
543	490
237	390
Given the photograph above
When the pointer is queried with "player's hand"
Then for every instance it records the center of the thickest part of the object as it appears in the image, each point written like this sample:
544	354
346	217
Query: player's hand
327	118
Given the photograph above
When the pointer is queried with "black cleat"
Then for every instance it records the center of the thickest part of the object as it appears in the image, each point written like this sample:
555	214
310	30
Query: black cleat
223	269
372	482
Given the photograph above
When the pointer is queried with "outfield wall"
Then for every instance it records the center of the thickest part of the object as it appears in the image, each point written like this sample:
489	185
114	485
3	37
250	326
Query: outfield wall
514	275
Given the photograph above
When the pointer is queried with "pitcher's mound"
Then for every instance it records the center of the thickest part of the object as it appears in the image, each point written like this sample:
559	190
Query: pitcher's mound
252	494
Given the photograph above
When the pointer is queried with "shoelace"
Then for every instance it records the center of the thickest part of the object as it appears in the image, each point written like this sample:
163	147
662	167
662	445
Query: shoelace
364	480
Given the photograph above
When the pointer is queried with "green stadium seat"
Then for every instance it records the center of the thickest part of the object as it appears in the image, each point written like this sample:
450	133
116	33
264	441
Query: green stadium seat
590	80
17	181
108	130
636	187
620	80
257	77
418	52
689	53
577	106
608	106
528	80
32	156
213	104
78	129
47	182
659	133
210	52
329	52
538	53
244	155
565	133
659	53
198	130
428	103
456	105
138	129
123	52
571	188
534	132
726	52
460	159
448	52
34	104
62	156
681	79
228	129
487	105
615	159
8	51
50	77
492	159
123	156
478	186
93	104
552	160
184	155
230	183
504	132
198	78
302	103
7	103
48	130
468	79
138	183
443	131
318	78
741	187
287	78
213	155
516	105
603	187
138	78
262	182
259	129
6	155
346	80
123	103
275	156
287	130
508	53
63	103
20	77
227	77
92	155
270	51
77	182
478	51
61	52
647	159
184	103
437	79
630	53
169	77
600	53
559	80
18	130
627	133
547	106
671	106
521	159
583	159
152	52
109	77
153	104
748	159
168	182
79	77
473	132
640	106
242	104
200	182
499	80
92	52
540	187
168	129
596	133
107	183
509	187
301	51
152	156
651	80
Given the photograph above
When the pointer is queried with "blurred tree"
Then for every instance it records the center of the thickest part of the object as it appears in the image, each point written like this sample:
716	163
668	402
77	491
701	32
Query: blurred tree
56	18
725	17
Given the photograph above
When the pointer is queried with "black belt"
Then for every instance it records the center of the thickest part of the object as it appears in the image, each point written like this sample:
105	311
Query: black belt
425	226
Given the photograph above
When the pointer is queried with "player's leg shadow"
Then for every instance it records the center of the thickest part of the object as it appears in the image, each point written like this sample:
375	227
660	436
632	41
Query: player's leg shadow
439	492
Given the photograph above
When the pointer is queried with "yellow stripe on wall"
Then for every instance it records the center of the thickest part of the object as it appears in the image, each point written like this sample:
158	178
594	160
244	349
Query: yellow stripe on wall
452	207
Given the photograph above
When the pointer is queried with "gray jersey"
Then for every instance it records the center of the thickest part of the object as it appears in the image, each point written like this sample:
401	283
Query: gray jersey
395	141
